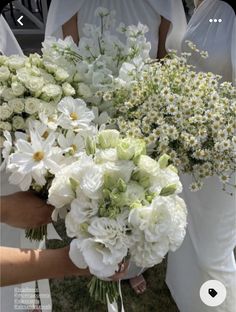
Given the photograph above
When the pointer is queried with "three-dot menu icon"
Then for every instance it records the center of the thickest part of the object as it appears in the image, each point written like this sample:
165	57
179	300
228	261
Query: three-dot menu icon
215	20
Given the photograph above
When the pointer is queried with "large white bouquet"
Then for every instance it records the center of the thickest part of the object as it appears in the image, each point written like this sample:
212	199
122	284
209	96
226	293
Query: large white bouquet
122	204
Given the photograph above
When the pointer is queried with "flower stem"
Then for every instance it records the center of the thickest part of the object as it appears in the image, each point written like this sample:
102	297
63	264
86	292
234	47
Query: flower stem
100	290
36	234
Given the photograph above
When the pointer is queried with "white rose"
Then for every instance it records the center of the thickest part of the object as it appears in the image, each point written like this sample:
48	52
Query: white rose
147	165
35	84
5	126
7	94
52	90
67	88
18	123
5	111
17	88
15	62
17	105
61	74
4	73
32	105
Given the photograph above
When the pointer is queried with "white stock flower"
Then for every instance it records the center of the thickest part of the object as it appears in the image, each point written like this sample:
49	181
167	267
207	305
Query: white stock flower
6	150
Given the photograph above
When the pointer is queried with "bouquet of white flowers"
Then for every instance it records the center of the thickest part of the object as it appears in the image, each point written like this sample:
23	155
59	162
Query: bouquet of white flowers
35	155
190	116
122	204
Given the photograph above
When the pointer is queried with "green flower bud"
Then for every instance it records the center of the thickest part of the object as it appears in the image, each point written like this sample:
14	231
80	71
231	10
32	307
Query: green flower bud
74	184
84	227
121	185
168	190
90	146
163	161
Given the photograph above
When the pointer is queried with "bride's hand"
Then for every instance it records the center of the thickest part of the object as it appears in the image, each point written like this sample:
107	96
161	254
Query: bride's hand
122	272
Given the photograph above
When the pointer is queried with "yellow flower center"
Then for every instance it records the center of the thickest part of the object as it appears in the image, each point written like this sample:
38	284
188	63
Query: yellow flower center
45	135
74	149
74	116
38	156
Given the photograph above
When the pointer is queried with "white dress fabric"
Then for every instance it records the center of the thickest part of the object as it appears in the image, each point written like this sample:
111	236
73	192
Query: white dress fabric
129	12
207	251
8	42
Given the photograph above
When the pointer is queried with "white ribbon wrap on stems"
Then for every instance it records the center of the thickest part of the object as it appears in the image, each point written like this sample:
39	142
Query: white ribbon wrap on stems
113	307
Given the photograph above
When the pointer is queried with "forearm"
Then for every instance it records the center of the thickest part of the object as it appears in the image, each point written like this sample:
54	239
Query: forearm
24	265
163	32
3	210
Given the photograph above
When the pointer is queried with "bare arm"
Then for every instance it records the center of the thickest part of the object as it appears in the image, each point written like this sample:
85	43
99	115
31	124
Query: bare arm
70	28
163	31
24	265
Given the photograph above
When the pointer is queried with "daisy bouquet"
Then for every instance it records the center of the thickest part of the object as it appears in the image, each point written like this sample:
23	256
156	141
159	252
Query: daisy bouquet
123	204
190	116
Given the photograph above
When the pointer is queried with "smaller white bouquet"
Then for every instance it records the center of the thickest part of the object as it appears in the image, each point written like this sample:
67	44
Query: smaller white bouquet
123	204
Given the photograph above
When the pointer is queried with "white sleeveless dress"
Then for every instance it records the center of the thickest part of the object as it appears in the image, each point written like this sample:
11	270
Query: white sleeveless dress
148	12
207	251
129	12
